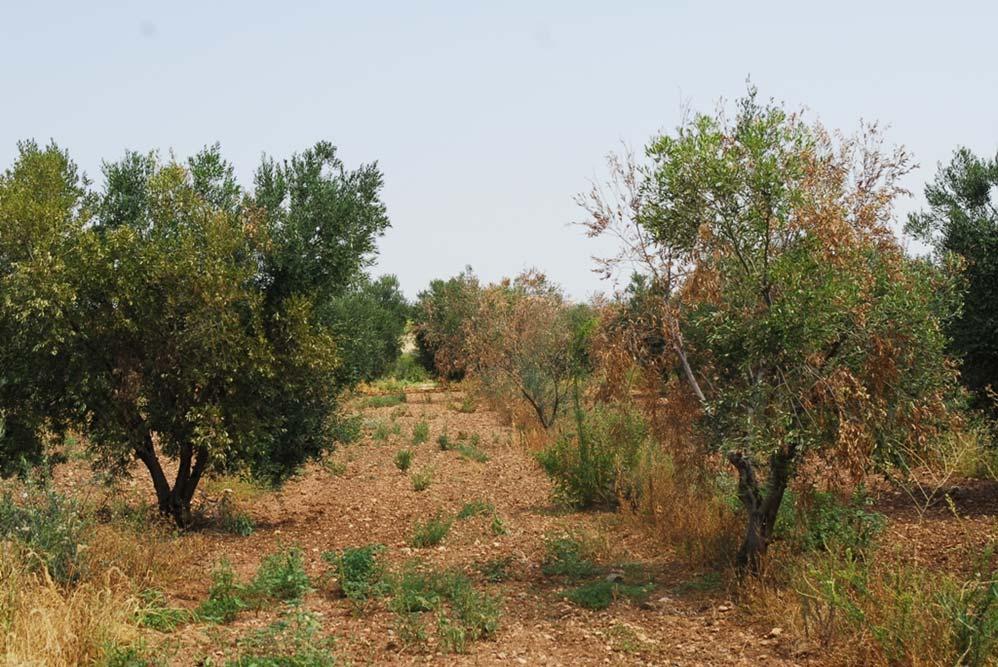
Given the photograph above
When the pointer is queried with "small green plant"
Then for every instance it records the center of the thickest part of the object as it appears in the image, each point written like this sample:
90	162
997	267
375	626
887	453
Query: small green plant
420	432
444	442
600	594
293	640
231	520
129	655
281	576
359	572
225	597
381	432
347	429
335	467
463	614
473	453
566	557
475	508
403	459
497	525
421	480
385	400
496	570
431	532
466	406
157	614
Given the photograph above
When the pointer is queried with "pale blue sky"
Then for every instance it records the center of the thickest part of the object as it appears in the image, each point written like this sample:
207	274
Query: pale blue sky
485	118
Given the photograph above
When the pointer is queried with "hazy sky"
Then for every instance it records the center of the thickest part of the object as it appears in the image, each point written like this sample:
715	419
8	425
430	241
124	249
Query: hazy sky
486	118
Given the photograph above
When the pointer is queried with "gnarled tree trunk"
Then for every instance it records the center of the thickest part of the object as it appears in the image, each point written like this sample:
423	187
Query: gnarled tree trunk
174	501
762	509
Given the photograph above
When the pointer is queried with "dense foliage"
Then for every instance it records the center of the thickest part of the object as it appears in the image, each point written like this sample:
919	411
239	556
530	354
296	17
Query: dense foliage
962	225
173	314
368	322
440	315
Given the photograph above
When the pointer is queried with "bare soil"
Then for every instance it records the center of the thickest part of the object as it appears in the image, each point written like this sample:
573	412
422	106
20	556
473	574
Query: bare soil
371	501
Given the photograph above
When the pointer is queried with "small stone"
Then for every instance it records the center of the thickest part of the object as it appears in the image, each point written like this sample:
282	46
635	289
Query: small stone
775	632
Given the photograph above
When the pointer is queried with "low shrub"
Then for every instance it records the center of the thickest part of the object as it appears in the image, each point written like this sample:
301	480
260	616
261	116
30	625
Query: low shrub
49	527
403	459
475	508
496	570
421	480
568	557
359	572
384	400
470	452
594	465
431	532
420	432
463	613
601	594
281	576
231	520
293	640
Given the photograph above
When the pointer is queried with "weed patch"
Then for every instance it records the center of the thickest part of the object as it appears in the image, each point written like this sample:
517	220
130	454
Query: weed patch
432	532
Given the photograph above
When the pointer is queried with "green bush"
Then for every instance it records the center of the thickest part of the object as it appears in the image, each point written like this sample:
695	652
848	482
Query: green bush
408	369
368	321
359	572
293	640
281	576
443	440
431	532
225	597
50	527
821	522
403	459
596	464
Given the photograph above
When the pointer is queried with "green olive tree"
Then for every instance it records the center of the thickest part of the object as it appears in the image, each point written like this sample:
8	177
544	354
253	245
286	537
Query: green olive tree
185	311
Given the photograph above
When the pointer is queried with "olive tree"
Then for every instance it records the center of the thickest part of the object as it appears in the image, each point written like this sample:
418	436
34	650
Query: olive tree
792	314
42	215
525	341
188	309
962	223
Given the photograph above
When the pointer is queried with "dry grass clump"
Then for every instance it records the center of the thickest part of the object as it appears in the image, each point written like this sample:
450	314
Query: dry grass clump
44	623
877	611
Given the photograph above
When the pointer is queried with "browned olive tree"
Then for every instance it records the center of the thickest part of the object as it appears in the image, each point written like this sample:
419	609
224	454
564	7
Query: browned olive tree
788	307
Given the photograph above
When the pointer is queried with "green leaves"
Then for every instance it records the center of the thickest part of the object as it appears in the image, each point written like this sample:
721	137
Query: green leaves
173	303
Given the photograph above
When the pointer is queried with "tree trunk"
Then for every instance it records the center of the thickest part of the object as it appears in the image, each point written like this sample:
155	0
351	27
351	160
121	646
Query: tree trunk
762	509
174	501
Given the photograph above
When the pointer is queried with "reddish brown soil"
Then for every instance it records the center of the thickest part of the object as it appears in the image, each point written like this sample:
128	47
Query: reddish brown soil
373	502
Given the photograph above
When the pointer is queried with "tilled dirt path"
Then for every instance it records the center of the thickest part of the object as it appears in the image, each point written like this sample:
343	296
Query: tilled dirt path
371	501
